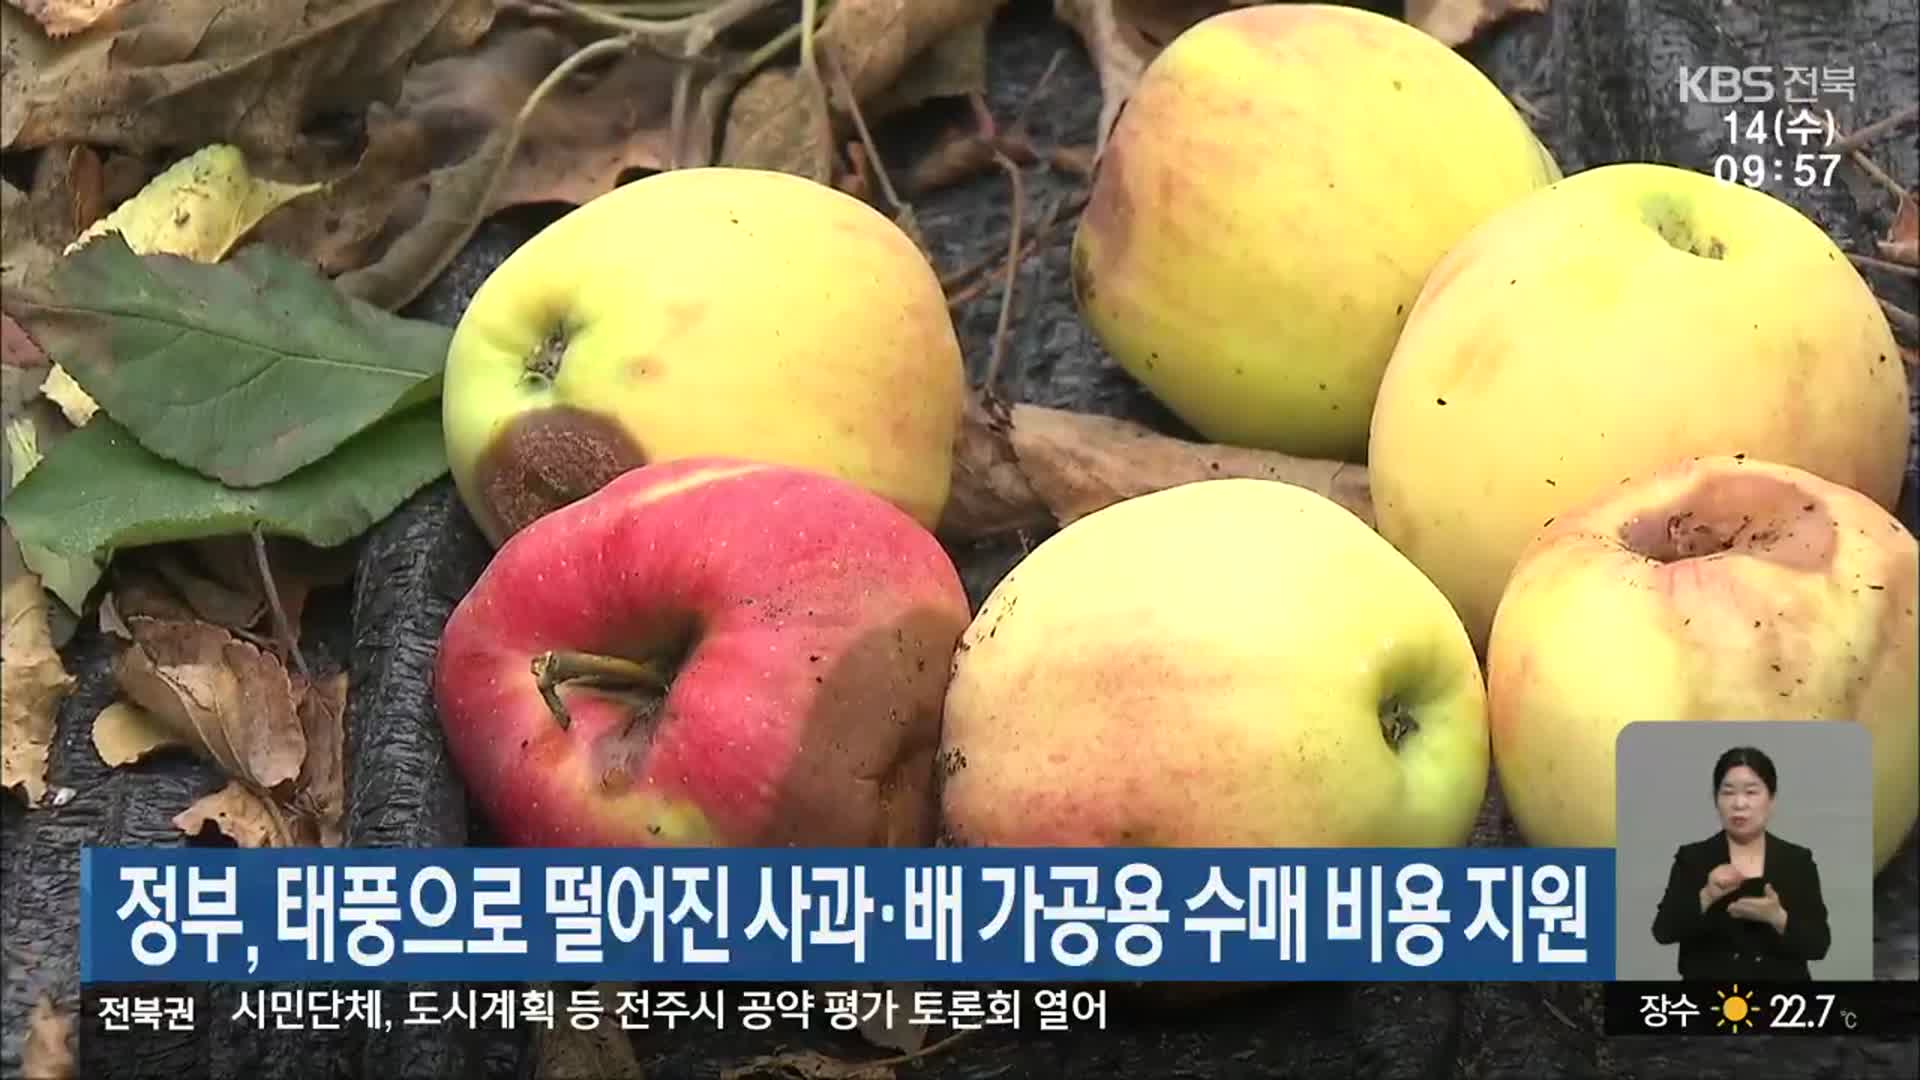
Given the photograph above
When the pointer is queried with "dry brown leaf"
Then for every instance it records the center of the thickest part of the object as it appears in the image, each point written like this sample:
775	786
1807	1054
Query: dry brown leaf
387	226
954	66
782	120
18	350
60	18
25	48
218	580
36	683
779	120
305	813
1031	467
1457	22
874	41
278	737
225	698
248	72
319	797
204	592
47	1053
124	734
66	194
580	139
454	207
428	158
1902	242
346	223
241	814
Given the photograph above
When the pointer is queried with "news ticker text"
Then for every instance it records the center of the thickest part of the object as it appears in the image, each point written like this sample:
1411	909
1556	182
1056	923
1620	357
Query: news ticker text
586	1008
821	915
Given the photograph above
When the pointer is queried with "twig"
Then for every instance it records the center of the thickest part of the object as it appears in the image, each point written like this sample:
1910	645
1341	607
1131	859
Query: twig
1888	265
1560	1016
1866	163
1901	317
844	88
1879	175
683	36
809	63
282	625
1533	111
989	384
967	282
1874	130
1039	87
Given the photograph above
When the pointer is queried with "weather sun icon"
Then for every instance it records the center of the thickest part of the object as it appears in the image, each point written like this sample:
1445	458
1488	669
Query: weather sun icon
1736	1008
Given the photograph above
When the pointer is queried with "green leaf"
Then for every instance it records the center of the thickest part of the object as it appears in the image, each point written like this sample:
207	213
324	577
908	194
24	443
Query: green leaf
98	490
243	370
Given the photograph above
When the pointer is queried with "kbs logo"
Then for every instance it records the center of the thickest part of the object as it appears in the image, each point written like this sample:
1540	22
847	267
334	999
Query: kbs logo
1727	85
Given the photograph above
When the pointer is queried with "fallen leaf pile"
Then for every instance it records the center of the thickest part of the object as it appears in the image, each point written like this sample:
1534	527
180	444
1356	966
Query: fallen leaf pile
276	733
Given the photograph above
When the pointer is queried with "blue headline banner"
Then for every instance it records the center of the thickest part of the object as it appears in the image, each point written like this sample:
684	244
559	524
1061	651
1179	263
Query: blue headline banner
839	914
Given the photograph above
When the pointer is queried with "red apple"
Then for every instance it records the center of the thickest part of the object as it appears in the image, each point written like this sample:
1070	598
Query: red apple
706	651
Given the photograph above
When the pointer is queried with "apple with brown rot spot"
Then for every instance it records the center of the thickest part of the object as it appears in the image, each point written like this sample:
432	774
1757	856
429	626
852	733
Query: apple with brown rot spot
715	311
1716	588
711	651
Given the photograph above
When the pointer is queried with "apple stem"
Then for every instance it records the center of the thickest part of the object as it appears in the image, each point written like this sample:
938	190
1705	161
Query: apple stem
557	666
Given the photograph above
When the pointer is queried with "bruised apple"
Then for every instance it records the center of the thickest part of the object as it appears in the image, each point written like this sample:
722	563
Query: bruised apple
709	311
706	652
1714	589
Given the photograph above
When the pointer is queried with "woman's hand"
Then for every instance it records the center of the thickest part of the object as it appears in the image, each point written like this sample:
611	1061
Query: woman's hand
1761	909
1724	879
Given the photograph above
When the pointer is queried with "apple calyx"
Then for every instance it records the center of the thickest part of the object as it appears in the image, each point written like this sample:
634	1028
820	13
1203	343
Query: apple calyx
1673	218
544	362
555	667
1397	722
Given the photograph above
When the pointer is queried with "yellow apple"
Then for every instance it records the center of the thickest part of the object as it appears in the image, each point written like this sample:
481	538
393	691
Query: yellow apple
712	311
1626	317
1714	589
1270	199
1232	662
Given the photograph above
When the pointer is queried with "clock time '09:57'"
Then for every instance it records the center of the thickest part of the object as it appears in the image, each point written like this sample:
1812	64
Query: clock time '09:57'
1802	170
